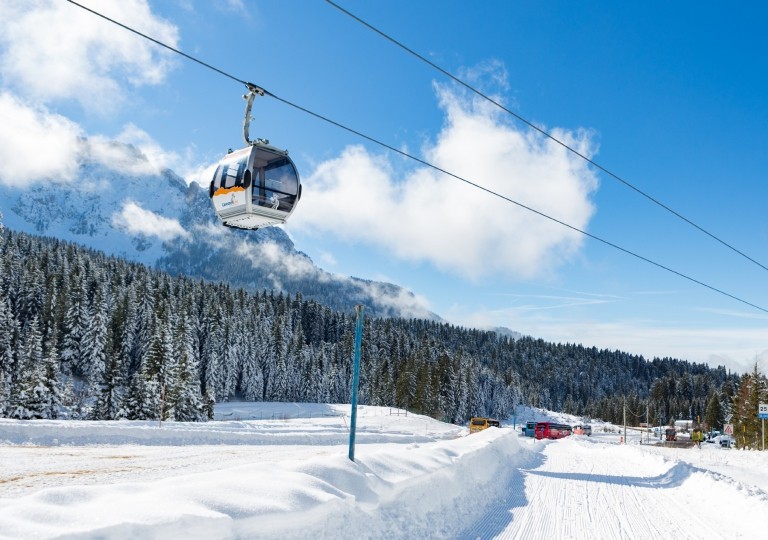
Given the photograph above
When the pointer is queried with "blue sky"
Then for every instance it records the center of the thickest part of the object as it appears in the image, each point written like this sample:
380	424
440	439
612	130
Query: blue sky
670	97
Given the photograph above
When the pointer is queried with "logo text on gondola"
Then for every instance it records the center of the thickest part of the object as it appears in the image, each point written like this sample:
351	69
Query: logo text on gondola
232	201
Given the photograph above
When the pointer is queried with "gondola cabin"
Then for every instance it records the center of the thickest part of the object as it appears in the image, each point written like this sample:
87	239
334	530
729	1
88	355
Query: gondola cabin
255	187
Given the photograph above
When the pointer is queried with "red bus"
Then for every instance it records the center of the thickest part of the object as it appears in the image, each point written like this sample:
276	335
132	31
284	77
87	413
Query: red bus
550	430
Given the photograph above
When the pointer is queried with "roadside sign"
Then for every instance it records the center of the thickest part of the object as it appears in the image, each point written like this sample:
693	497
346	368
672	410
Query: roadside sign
762	411
728	429
728	418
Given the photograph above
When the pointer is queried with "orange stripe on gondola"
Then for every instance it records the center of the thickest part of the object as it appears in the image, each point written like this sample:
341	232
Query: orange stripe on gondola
224	191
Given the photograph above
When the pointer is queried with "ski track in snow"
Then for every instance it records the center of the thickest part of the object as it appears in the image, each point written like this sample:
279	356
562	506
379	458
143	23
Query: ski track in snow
582	490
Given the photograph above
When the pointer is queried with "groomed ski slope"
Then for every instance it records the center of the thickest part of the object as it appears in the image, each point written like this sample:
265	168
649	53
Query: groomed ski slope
582	489
282	471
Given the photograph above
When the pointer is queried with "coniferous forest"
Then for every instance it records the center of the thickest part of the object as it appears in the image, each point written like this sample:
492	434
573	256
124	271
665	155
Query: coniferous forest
84	335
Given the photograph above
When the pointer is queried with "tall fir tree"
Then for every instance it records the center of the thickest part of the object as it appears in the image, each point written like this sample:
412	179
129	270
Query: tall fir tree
76	324
29	398
714	416
753	390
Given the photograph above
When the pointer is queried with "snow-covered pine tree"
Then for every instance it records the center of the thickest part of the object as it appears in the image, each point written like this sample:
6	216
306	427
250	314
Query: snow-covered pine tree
159	370
29	396
212	357
109	401
8	329
52	376
93	345
185	400
252	381
141	401
76	323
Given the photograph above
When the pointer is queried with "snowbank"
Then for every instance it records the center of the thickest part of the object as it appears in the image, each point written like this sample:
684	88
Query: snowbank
429	483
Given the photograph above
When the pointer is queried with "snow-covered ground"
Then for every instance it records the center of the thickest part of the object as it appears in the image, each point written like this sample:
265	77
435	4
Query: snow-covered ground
272	470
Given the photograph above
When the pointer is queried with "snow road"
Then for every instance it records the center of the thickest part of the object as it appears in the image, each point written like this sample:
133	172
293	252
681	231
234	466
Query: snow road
583	489
262	474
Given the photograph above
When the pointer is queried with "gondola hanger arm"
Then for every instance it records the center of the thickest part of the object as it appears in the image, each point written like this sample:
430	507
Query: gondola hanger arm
253	91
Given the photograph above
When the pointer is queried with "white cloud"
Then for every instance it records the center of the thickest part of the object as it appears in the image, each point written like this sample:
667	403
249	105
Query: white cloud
201	174
55	50
404	302
269	256
233	6
148	158
135	152
327	259
35	143
122	157
137	221
80	57
421	214
272	257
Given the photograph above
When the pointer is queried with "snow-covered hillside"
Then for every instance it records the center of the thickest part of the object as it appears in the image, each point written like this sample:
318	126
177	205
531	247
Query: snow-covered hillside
268	470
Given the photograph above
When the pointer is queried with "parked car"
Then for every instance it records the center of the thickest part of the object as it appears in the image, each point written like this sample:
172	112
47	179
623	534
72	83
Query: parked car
727	441
712	436
582	429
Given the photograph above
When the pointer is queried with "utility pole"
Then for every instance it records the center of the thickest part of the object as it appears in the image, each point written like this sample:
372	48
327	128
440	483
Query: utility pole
647	421
625	419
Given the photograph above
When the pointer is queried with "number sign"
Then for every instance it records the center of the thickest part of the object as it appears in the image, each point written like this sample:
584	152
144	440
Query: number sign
762	411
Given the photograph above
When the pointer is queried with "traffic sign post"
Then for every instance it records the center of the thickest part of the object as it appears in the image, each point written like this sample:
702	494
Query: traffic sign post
762	414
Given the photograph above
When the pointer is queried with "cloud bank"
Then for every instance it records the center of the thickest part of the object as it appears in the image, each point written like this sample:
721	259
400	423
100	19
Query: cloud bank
87	58
138	221
272	257
37	144
420	214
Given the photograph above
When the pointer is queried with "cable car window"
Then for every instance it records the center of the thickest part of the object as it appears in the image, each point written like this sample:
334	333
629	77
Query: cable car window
234	173
231	172
280	176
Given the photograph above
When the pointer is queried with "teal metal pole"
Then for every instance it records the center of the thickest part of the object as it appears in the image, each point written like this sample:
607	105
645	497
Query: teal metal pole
355	379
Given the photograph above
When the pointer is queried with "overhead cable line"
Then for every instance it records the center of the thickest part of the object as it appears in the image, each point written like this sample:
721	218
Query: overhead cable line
544	132
425	163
